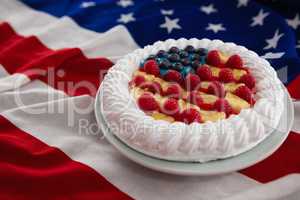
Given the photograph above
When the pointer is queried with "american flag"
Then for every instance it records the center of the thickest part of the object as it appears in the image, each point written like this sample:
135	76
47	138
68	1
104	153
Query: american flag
51	50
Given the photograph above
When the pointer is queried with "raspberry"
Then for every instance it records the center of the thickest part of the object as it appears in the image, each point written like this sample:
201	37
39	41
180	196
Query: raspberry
195	98
226	76
173	90
173	76
248	80
151	67
213	58
170	107
245	93
222	105
204	73
190	115
234	61
192	81
138	80
153	87
216	88
147	102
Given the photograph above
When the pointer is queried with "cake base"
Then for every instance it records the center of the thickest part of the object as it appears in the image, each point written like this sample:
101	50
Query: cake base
235	163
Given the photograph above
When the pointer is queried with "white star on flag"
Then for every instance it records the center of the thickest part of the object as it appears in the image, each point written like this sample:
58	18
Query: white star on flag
125	3
242	3
294	22
273	42
215	27
87	4
126	18
298	46
259	19
208	9
170	24
166	12
271	55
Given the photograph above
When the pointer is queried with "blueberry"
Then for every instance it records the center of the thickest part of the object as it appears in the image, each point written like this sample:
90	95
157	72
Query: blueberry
173	50
195	64
185	61
162	54
165	64
190	49
183	54
185	71
201	51
195	57
174	57
177	66
151	57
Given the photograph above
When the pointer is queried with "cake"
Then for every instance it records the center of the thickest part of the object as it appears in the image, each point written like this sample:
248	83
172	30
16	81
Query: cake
192	100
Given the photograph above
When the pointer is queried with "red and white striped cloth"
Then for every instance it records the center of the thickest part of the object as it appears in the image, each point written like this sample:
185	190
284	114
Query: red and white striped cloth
44	154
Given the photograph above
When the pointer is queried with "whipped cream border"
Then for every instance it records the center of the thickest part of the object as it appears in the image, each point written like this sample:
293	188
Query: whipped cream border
194	142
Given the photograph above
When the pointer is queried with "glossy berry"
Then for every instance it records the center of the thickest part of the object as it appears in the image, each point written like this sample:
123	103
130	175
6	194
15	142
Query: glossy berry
177	66
147	102
174	57
190	115
138	80
192	81
173	91
213	58
170	106
153	87
183	54
162	54
216	88
189	49
222	105
173	76
204	72
234	61
201	51
173	50
226	75
195	98
185	61
151	67
165	64
248	80
195	57
245	93
195	64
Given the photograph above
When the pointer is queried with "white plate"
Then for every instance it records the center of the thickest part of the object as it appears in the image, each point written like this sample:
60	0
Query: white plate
241	161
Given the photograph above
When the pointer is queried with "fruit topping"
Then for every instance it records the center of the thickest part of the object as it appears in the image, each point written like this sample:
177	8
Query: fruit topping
226	75
248	80
234	61
216	88
204	72
173	76
147	102
192	82
213	58
151	67
190	115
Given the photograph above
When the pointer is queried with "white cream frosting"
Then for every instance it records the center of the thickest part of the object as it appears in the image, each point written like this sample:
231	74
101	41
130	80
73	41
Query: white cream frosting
194	142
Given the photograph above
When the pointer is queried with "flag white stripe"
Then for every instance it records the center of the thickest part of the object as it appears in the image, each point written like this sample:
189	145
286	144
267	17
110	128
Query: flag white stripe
57	33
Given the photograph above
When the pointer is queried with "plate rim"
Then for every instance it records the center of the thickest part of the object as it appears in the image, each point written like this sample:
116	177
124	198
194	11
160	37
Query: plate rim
188	168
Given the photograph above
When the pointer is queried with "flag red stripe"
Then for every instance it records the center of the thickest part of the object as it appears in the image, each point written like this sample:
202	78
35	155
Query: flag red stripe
30	169
284	161
69	67
294	88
